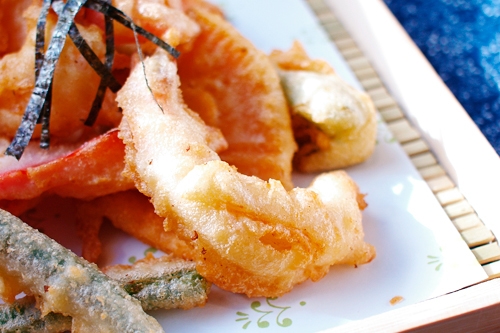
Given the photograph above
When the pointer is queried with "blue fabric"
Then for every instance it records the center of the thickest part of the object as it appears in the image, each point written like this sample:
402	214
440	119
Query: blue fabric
461	39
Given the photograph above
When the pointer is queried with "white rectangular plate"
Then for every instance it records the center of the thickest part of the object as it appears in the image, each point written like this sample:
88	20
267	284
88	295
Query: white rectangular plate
419	252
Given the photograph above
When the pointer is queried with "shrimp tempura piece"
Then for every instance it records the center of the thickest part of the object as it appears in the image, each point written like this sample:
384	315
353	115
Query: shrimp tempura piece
250	236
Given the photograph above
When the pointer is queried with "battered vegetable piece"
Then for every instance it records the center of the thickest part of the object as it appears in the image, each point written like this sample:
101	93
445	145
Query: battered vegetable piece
158	283
334	124
251	236
131	212
23	316
65	283
162	283
226	79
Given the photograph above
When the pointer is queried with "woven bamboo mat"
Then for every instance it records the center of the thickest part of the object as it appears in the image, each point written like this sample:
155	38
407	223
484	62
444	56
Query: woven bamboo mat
478	237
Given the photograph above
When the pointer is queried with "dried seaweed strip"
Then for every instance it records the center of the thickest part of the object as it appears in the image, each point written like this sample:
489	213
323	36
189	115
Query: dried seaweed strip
110	11
44	117
44	80
122	18
45	120
109	58
40	36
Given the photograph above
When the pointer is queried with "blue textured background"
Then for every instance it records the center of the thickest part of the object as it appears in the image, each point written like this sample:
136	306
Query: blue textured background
461	39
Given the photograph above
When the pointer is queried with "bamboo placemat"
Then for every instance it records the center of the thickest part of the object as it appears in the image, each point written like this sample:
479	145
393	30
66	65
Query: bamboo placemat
478	237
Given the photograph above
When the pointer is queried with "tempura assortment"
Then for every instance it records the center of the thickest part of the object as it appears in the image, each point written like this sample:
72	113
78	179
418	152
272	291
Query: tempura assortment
160	117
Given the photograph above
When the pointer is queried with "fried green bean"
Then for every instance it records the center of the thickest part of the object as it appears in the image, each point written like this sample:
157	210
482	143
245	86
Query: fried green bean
64	283
23	316
158	283
162	283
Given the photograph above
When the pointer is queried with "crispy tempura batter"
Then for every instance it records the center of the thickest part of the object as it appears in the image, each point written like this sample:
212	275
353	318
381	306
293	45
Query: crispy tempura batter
12	27
250	236
64	283
334	124
166	21
166	282
233	86
131	212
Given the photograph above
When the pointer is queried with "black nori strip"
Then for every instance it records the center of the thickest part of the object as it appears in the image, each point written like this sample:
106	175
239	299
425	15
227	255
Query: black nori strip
121	17
44	117
39	95
40	36
45	120
109	58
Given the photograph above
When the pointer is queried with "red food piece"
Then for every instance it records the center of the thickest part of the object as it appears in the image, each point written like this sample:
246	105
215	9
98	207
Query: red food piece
93	169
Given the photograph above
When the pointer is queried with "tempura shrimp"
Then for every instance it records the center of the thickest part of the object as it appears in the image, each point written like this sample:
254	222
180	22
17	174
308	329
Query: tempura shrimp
250	236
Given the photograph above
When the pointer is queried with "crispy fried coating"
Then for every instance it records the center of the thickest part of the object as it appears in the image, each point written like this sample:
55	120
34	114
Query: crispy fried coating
131	212
166	282
226	79
64	283
250	236
18	207
12	26
296	58
164	19
334	124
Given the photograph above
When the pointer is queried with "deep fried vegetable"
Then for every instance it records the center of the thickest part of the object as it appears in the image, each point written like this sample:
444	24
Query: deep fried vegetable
64	283
158	283
162	283
22	316
334	124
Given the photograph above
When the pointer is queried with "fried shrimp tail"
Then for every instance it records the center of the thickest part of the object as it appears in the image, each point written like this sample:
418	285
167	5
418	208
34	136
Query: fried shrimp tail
250	236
